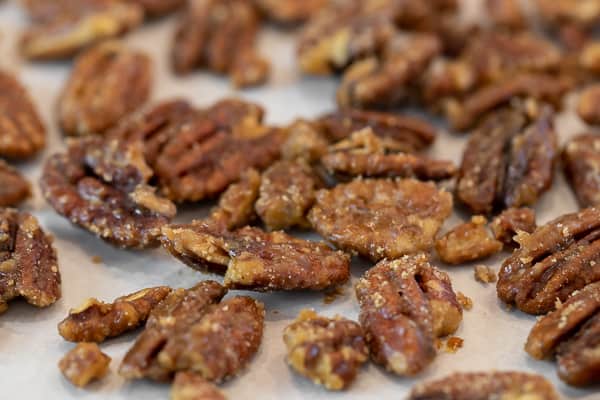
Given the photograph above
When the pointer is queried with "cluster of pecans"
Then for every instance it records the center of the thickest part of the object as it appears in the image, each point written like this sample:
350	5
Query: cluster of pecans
356	176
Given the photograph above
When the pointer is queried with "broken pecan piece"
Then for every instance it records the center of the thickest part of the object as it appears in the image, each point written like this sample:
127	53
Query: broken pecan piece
236	204
512	221
108	82
329	351
557	259
486	385
192	386
14	188
581	161
380	218
252	259
94	321
466	242
305	141
484	274
405	304
84	363
588	109
28	263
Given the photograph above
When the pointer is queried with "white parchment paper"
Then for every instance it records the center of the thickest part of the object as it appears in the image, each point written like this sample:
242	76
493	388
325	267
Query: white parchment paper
30	346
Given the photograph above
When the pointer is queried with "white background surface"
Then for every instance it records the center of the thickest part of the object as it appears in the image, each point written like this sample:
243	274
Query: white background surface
30	346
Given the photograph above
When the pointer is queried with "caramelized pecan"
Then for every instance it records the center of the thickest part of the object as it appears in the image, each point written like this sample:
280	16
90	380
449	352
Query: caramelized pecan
589	57
84	363
157	8
484	274
14	188
236	204
587	108
511	222
192	386
581	161
305	141
506	14
564	15
289	11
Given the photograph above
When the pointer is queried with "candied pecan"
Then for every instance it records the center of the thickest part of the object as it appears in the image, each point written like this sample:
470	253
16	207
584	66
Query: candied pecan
589	57
175	314
404	305
581	161
365	154
157	8
236	204
466	242
290	11
62	28
23	133
287	191
380	218
94	321
486	385
84	363
252	259
14	188
222	36
512	221
191	386
552	262
581	13
587	108
28	263
304	141
329	351
465	302
485	274
101	186
506	14
108	82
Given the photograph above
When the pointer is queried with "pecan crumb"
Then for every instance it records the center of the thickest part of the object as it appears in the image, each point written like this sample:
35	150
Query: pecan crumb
465	301
484	274
469	241
332	295
84	363
453	344
97	259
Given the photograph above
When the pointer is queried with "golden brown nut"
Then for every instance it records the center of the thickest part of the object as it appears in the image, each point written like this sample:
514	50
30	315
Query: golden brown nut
581	162
23	133
485	274
290	11
236	204
252	259
14	188
94	321
84	363
511	222
466	242
28	263
557	259
158	8
506	14
380	218
192	386
589	57
108	82
582	13
405	304
588	108
305	141
328	351
486	385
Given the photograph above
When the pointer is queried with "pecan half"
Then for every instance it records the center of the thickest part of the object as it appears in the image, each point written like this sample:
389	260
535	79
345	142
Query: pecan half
101	186
94	321
236	204
191	386
380	218
252	259
289	11
404	305
511	222
581	162
328	351
14	188
28	263
23	133
365	154
108	82
84	363
466	242
587	108
486	385
555	260
221	36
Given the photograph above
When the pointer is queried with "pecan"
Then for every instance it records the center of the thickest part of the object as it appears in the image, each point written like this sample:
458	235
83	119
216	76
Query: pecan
23	133
466	242
63	28
415	134
94	321
221	36
252	259
582	13
328	351
505	164
506	14
380	218
486	385
304	141
287	191
589	57
485	274
28	263
587	108
236	204
84	363
405	304
365	154
14	188
512	221
581	161
191	386
108	82
555	260
101	186
157	8
290	11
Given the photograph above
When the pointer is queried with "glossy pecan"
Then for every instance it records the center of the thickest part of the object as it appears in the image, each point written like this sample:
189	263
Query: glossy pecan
581	162
236	204
511	222
14	188
84	363
192	386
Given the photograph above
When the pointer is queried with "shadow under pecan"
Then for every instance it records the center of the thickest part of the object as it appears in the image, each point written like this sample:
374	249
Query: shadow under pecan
380	218
405	304
328	351
108	82
28	262
174	315
62	28
289	12
236	205
511	222
555	260
255	260
101	186
14	188
95	321
192	386
23	133
581	163
486	385
221	36
84	363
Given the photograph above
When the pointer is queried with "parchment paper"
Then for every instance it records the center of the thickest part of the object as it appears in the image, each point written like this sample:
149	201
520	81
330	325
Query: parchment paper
30	346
